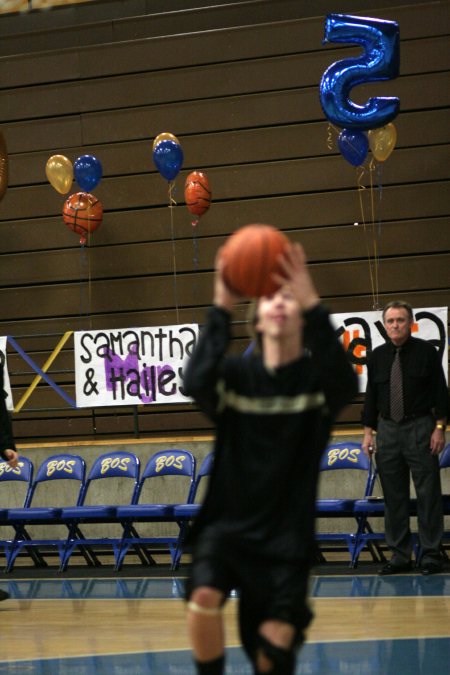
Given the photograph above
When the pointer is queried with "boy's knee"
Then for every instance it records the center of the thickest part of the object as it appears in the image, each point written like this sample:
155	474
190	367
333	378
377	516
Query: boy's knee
274	660
205	600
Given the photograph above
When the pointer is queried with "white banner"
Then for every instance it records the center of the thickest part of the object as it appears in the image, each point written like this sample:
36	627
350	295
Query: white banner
6	382
361	332
132	366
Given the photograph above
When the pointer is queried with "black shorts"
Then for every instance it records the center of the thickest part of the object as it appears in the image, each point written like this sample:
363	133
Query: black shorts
267	589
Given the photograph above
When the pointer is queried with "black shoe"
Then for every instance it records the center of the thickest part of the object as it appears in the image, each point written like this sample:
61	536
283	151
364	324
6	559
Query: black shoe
431	568
3	595
392	568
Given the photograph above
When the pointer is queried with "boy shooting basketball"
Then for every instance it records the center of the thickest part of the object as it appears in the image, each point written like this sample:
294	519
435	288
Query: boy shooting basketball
273	413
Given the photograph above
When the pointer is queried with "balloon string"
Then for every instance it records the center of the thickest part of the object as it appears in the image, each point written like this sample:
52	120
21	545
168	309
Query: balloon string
359	176
331	128
173	203
374	235
195	243
89	267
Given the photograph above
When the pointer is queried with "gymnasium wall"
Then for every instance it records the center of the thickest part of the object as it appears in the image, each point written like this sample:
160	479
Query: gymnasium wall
238	85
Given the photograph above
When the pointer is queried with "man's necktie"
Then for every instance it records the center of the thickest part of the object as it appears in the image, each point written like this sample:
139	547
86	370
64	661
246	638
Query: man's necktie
396	411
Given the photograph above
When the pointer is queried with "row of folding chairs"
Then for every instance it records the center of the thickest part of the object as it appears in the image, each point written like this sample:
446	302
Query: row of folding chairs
362	510
126	506
132	503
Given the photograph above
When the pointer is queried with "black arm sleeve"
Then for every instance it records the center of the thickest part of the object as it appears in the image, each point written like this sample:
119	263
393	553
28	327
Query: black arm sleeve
203	368
6	437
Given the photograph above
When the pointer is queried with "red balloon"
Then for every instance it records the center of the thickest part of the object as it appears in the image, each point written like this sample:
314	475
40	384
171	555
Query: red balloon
82	213
197	193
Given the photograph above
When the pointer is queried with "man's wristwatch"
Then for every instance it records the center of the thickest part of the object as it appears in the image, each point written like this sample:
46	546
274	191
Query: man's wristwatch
440	426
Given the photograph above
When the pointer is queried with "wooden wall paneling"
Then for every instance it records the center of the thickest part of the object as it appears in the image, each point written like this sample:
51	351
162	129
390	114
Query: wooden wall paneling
252	110
163	317
241	181
281	37
399	202
223	79
149	259
228	147
154	24
211	115
400	275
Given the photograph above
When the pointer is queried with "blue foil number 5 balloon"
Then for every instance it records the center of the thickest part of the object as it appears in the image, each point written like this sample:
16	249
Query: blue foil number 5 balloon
380	61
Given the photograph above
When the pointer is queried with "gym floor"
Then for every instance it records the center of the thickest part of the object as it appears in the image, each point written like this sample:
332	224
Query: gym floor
130	625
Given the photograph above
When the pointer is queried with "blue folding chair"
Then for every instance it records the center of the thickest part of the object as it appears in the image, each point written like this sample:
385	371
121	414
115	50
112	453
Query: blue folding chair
52	470
185	513
444	463
181	465
338	457
22	473
118	466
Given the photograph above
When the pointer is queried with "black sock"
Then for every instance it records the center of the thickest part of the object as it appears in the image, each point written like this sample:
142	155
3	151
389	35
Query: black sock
216	667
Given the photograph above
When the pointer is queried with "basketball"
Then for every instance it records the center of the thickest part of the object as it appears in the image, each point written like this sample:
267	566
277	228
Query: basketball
197	193
82	213
250	256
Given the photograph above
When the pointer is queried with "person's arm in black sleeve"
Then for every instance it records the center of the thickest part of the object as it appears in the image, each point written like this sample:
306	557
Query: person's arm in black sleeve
202	371
7	446
338	379
335	371
203	368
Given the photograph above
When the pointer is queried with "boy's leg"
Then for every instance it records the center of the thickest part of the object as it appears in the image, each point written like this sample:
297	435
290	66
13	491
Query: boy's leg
273	616
205	624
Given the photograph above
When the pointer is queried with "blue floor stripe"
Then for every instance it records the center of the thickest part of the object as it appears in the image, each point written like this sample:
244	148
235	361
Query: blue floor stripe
378	657
134	587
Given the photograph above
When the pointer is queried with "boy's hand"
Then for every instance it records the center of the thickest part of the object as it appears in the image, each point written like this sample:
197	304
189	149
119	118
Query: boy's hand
295	273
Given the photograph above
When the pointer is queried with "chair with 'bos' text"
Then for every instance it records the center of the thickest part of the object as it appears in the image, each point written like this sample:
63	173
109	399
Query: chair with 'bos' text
112	481
167	479
444	464
185	513
43	506
15	485
348	457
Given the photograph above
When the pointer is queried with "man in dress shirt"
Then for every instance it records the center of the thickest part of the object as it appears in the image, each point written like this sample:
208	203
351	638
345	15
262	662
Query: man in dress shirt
409	416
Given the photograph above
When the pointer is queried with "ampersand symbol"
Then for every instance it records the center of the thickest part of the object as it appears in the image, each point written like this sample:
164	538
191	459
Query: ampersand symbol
90	382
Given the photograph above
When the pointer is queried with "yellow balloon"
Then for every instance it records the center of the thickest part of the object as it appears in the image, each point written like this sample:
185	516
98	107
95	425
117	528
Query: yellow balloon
165	136
59	171
382	141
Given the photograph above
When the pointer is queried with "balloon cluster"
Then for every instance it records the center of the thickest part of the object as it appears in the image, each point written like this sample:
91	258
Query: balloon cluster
82	211
168	158
354	145
379	61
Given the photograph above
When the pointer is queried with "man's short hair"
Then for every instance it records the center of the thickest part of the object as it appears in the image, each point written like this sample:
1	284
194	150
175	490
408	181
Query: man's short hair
399	304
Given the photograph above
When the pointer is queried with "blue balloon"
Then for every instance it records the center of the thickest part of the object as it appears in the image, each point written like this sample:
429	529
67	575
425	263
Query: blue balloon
380	61
168	158
88	172
354	146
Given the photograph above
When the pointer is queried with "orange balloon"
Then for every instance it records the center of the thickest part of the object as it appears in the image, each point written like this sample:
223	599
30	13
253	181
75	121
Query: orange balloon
165	136
3	166
59	171
82	213
382	141
197	193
